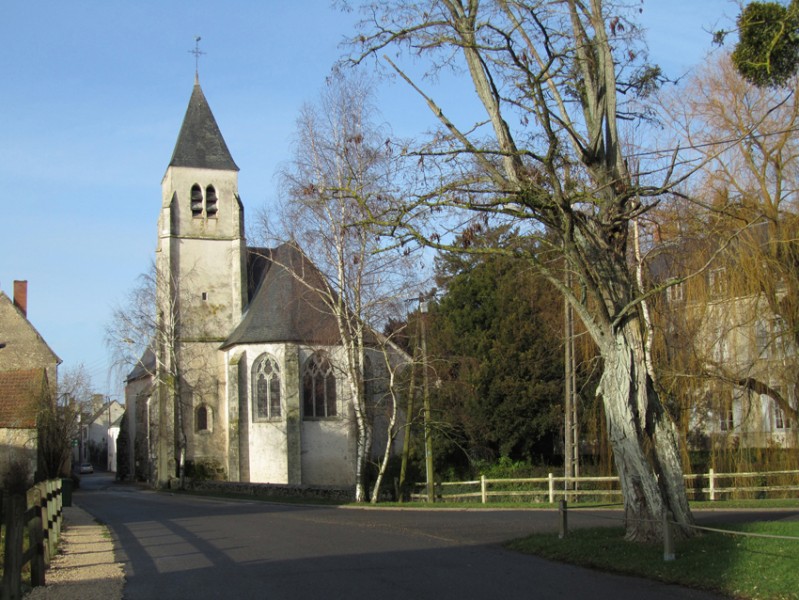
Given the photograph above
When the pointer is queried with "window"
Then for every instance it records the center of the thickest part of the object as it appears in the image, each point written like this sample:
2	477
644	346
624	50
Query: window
368	381
726	416
761	337
318	388
206	205
780	422
196	201
202	418
266	388
717	282
210	202
770	338
676	293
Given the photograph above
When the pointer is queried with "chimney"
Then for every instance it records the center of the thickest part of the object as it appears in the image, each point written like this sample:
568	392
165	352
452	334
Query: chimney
21	296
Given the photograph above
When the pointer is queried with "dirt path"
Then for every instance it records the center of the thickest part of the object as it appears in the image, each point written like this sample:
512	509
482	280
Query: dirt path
84	568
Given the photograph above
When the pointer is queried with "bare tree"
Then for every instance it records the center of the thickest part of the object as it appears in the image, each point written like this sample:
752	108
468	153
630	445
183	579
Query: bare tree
60	421
552	79
150	319
340	165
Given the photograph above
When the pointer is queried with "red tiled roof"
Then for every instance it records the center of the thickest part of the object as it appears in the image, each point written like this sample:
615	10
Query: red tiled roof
20	395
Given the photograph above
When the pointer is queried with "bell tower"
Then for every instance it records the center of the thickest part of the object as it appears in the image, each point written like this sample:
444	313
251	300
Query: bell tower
200	274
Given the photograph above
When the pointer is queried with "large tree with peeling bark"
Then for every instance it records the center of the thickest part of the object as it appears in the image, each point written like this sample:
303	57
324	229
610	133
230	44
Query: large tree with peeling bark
551	79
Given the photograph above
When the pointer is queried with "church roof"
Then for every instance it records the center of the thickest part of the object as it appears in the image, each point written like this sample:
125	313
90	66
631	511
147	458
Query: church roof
144	367
200	143
285	301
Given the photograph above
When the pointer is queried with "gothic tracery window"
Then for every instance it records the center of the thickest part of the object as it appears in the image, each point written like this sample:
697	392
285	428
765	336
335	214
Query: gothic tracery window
266	388
318	387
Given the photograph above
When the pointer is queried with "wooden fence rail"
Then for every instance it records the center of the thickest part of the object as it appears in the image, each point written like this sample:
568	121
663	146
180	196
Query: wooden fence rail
710	486
39	513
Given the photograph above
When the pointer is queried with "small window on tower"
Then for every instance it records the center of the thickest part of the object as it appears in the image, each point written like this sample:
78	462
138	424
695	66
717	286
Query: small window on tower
210	202
202	418
196	201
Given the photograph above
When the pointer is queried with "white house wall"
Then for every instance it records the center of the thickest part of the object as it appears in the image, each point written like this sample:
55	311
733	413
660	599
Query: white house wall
728	338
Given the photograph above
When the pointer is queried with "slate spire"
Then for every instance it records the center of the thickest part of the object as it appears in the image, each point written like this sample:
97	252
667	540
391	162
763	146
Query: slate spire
200	143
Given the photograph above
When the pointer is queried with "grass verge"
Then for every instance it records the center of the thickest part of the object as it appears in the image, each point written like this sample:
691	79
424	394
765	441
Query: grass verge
737	566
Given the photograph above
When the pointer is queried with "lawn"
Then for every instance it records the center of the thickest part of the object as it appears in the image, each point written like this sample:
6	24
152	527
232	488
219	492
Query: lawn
737	566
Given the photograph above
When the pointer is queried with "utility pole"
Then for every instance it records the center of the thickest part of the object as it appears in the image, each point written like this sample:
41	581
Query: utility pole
428	433
406	442
571	448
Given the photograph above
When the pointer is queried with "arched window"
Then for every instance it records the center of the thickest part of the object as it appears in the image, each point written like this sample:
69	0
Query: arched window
206	205
370	388
203	418
196	201
210	202
265	388
318	387
368	383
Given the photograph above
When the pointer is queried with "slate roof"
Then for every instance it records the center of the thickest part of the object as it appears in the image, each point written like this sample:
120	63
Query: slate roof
20	395
145	366
285	304
200	143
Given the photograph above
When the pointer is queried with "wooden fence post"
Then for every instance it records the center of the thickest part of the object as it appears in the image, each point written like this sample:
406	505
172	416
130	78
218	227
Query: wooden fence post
49	546
551	478
563	519
712	484
483	490
14	506
58	498
36	537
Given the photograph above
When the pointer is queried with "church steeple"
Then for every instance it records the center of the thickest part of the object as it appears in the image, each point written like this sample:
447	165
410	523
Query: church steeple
200	144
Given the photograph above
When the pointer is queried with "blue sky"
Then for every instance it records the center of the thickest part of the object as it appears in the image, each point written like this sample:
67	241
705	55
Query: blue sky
92	97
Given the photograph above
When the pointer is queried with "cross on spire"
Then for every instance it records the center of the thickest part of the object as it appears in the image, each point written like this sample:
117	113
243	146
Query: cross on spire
196	52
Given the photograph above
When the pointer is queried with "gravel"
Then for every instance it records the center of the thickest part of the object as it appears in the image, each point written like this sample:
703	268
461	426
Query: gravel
84	567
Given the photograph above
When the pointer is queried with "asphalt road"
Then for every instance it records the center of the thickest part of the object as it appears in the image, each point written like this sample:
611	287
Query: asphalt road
178	547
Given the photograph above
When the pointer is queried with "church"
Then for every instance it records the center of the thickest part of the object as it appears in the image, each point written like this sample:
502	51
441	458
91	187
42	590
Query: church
244	379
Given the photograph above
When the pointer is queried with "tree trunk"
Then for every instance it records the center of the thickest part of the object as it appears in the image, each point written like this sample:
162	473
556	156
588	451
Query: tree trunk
643	438
363	446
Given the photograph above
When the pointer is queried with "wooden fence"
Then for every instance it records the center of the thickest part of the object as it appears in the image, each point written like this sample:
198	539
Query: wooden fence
39	513
703	486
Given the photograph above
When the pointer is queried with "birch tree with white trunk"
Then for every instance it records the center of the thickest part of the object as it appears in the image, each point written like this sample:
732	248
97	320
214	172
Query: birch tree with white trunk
341	164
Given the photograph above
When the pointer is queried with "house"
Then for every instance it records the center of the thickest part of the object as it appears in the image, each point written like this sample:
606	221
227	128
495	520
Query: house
139	389
28	376
100	429
725	333
21	346
244	380
23	392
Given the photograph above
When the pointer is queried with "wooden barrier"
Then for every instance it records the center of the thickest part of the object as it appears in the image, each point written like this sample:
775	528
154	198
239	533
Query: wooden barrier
39	513
552	488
